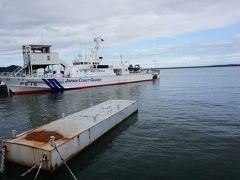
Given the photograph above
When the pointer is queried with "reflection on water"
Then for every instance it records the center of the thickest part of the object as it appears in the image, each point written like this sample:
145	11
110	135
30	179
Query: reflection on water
187	127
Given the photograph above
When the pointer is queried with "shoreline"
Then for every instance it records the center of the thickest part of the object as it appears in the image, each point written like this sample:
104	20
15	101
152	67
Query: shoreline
211	66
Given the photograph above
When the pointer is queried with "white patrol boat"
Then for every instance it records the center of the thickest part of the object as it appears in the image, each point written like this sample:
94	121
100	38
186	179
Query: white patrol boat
38	74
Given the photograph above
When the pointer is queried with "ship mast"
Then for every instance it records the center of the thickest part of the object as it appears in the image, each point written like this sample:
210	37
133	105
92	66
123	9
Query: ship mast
95	51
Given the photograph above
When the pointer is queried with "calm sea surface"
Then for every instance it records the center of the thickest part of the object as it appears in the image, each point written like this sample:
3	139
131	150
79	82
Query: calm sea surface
187	127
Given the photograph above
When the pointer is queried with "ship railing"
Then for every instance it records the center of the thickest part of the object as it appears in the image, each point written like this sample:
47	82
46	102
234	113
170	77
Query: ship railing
152	70
146	71
6	74
10	74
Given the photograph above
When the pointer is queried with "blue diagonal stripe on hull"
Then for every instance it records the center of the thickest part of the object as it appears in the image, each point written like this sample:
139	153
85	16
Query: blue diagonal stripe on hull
49	84
56	82
52	81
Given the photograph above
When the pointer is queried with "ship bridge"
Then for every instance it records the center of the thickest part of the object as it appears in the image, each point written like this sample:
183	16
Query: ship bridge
38	56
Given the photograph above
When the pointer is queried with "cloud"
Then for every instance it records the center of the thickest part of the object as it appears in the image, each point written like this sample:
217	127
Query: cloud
169	49
188	54
65	23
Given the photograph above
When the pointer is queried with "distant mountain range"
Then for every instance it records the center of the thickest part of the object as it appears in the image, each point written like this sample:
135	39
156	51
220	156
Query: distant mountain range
9	68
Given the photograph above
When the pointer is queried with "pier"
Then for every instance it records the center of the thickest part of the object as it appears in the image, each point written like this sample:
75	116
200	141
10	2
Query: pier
51	145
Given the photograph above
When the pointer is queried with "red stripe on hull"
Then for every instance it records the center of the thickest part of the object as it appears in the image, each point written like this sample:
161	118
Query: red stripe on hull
48	90
34	92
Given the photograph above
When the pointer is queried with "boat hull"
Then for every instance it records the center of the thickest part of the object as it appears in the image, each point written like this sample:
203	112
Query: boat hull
29	85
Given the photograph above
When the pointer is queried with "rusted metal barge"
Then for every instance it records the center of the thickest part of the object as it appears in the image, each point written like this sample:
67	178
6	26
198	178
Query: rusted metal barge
64	138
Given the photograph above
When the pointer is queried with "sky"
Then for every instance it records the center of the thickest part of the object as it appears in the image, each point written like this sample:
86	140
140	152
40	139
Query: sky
152	33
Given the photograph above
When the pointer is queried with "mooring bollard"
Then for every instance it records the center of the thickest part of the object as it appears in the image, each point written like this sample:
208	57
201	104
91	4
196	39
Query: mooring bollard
52	141
14	133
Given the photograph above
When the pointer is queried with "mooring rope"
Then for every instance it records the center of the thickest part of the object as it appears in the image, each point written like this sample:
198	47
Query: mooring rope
28	171
40	165
33	167
53	144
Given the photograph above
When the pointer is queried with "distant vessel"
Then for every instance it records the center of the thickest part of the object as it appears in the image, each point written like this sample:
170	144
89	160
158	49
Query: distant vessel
39	73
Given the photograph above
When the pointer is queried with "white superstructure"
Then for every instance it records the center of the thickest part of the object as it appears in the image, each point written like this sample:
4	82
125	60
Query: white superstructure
44	71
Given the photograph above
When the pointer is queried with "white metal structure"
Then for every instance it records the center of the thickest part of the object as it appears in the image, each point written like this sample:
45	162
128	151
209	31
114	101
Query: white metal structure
72	134
44	71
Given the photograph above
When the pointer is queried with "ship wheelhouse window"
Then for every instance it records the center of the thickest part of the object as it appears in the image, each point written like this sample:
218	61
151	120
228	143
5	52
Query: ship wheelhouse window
81	62
85	63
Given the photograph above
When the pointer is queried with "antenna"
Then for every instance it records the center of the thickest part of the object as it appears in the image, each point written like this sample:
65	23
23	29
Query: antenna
80	48
155	62
42	37
121	57
85	50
